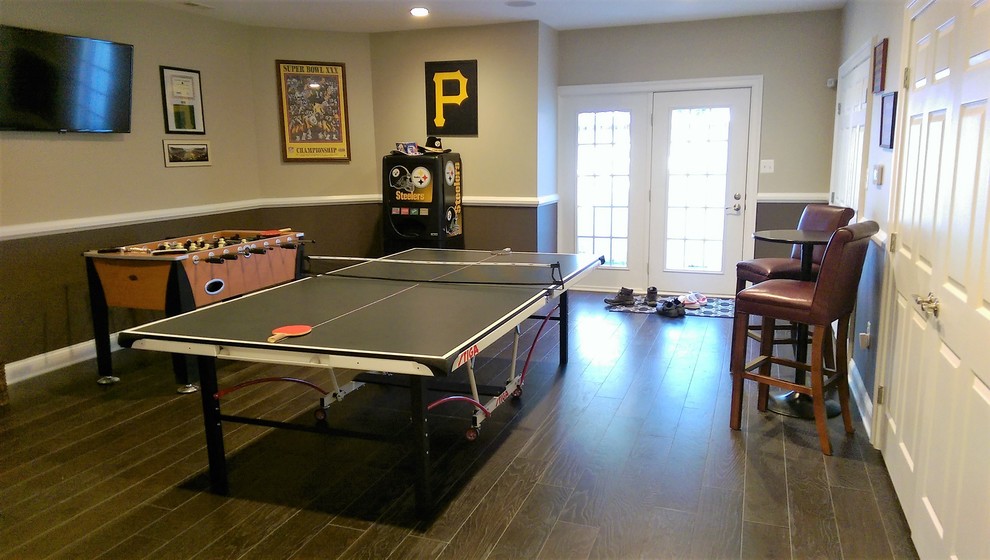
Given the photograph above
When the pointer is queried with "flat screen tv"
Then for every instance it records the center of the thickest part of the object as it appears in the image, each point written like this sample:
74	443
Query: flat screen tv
55	82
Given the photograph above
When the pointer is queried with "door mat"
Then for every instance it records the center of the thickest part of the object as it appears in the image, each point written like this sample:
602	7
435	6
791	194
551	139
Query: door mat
716	307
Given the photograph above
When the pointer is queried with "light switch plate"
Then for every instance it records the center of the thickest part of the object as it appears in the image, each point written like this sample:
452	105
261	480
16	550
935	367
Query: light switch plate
877	174
766	166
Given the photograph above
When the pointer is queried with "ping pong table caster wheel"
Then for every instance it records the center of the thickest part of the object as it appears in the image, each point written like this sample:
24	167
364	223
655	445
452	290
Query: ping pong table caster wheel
472	434
320	414
517	392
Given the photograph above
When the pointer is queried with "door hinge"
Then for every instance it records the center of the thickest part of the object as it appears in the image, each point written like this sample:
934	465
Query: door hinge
838	110
907	78
880	394
892	242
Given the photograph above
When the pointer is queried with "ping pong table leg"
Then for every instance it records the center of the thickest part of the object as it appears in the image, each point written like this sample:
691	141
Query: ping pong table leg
421	441
211	421
563	327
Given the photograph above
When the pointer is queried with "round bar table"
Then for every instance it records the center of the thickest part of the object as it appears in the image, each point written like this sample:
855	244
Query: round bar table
790	403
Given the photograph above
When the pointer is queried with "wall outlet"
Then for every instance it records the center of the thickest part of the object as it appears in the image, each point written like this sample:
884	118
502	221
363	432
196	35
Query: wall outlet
766	166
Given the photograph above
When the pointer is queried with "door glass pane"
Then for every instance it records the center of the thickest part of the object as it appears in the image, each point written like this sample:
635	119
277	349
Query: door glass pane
696	186
603	185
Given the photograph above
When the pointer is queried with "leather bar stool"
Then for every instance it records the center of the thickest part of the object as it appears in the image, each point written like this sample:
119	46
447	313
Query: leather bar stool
815	217
830	298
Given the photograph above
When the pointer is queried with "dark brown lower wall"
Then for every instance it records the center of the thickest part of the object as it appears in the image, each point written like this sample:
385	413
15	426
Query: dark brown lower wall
776	215
44	299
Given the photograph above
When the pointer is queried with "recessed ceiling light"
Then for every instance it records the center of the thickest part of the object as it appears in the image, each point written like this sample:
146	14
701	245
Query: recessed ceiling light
419	12
520	3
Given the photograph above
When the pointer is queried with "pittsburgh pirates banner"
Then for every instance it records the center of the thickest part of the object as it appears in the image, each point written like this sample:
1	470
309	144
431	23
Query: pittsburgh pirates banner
452	98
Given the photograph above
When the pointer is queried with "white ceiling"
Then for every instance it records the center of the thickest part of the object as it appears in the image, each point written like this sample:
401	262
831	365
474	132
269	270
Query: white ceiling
372	16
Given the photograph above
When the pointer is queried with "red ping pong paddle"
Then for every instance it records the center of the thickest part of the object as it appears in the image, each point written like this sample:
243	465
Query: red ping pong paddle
287	331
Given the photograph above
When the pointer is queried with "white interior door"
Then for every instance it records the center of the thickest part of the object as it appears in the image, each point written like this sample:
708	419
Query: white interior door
937	409
851	130
698	192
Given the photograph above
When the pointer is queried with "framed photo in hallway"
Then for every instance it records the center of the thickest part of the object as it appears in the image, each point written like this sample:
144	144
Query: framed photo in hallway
888	112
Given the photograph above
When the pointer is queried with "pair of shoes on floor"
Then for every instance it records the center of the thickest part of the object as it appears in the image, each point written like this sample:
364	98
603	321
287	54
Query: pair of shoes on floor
693	300
623	297
670	307
626	297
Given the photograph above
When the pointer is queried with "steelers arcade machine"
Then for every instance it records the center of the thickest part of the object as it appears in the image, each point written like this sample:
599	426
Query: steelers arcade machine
422	201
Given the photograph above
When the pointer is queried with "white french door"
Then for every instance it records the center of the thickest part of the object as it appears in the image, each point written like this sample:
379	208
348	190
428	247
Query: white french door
698	189
657	182
933	424
603	201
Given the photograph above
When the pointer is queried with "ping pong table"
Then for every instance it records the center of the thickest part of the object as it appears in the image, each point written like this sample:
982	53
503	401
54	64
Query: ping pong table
421	313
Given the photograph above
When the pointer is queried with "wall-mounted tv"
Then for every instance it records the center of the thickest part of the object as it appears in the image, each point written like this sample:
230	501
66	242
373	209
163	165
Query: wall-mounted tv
55	82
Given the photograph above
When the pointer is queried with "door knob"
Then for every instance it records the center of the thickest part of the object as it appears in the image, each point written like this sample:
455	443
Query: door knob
928	304
735	207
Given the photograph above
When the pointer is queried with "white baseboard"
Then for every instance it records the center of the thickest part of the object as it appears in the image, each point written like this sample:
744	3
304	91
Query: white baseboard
863	401
56	359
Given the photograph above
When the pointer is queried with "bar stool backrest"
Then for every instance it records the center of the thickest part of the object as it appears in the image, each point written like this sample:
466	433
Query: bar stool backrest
841	268
821	217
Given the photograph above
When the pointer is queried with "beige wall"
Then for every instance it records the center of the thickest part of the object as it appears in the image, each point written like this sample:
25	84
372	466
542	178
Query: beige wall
795	54
50	177
501	160
280	179
47	176
868	22
546	117
83	176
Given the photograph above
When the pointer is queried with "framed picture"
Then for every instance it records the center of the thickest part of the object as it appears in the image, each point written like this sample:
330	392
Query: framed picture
182	98
452	98
888	112
186	154
312	100
879	66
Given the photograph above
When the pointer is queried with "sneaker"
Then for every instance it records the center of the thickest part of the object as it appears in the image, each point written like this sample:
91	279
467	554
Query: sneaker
670	308
651	296
702	299
623	297
690	300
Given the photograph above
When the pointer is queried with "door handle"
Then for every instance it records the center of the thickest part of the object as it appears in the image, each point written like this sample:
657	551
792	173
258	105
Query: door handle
928	304
735	207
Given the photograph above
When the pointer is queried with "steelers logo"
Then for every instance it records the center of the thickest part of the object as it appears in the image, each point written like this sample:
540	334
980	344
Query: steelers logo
400	179
448	173
421	177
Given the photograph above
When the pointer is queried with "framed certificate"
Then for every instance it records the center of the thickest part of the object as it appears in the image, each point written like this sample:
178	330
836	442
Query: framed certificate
182	99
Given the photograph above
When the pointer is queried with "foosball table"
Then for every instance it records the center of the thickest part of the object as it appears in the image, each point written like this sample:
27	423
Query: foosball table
182	274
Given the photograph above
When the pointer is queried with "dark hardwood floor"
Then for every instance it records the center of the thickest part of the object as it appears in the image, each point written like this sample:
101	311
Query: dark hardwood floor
623	453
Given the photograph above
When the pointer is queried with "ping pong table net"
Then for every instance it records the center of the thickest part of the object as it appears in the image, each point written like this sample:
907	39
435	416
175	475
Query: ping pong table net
481	272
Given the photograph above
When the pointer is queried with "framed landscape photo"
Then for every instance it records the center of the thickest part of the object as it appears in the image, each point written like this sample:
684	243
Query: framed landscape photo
186	154
312	99
182	98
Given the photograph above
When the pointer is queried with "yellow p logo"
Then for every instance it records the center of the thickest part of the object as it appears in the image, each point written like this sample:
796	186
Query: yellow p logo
438	79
